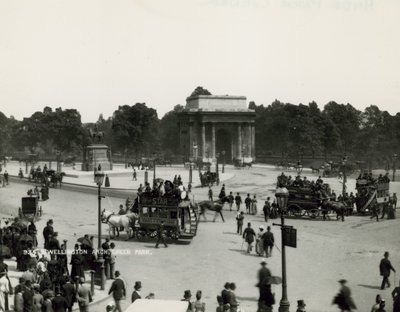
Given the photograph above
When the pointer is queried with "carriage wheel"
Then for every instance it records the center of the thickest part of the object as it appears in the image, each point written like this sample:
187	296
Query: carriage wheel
140	235
313	213
296	211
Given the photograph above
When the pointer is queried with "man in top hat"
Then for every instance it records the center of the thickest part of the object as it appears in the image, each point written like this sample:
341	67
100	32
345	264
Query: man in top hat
301	306
118	291
186	297
385	267
48	232
136	293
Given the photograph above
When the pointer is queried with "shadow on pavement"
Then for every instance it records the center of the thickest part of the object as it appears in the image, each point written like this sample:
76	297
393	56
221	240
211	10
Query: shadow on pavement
369	286
233	233
246	298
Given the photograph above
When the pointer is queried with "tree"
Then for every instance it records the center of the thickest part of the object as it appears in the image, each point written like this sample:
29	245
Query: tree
169	131
200	91
136	128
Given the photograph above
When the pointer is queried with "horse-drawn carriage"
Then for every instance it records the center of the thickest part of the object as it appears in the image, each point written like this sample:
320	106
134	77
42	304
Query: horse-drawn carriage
208	178
304	201
177	214
47	177
240	163
30	209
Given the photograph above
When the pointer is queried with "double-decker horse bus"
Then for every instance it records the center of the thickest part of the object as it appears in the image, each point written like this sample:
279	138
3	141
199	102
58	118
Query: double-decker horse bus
178	215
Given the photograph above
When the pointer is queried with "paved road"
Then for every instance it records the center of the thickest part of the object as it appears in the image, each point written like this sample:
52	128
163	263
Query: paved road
327	251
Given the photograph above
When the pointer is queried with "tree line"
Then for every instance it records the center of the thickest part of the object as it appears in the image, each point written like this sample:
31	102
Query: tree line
282	130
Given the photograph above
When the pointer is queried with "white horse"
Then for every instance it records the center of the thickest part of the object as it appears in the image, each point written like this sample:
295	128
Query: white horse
115	222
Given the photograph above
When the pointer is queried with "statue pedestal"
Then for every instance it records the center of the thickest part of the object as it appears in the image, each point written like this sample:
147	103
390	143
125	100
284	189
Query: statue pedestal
95	155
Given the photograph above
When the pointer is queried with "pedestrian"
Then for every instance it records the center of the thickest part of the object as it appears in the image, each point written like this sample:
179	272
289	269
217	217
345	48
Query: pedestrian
375	211
267	209
225	293
269	242
38	299
238	201
233	303
161	235
48	231
240	220
247	202
301	306
6	177
254	205
210	194
118	291
343	299
230	200
83	296
222	192
32	232
4	290
77	261
249	237
264	284
189	187
385	267
199	305
385	208
136	293
218	210
59	302
186	297
381	306
396	299
134	176
27	296
69	293
112	260
260	241
378	300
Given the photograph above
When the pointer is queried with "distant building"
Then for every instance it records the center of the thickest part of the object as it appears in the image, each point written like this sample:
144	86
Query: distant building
212	124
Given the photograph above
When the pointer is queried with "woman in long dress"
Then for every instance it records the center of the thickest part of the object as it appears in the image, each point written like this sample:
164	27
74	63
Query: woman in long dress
260	242
4	289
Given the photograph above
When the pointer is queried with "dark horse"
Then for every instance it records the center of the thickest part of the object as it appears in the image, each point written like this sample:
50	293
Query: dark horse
338	207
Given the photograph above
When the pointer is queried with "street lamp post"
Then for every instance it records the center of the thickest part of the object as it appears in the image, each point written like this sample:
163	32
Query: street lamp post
223	164
344	160
282	195
243	158
394	166
99	178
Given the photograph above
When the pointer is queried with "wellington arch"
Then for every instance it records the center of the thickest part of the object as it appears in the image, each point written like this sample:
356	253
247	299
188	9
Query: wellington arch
217	124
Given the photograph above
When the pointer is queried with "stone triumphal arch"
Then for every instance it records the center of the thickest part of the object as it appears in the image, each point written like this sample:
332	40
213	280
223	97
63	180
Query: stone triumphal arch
212	124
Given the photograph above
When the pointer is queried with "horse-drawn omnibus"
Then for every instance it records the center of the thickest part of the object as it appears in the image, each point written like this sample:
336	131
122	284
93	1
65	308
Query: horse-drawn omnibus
371	192
178	215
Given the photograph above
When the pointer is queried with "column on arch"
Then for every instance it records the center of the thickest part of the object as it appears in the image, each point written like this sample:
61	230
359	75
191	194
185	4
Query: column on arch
253	141
203	140
213	140
239	140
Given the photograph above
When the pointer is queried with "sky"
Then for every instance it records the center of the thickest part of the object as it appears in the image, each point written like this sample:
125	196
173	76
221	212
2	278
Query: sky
94	55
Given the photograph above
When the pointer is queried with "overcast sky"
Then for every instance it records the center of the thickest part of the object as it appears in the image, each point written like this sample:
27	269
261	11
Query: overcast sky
94	55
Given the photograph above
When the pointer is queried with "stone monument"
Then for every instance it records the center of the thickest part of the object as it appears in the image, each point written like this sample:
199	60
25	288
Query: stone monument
217	124
97	153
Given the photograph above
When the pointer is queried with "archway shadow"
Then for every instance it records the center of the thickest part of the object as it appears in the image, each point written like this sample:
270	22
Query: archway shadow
370	286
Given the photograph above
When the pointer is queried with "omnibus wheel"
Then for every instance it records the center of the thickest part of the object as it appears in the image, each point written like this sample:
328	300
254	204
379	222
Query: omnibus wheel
313	213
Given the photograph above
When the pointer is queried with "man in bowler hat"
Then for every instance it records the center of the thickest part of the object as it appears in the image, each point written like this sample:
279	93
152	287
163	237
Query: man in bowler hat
118	291
186	297
385	267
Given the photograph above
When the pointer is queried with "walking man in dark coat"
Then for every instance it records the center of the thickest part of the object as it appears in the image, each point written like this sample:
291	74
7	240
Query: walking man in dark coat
249	236
384	267
238	201
247	202
267	209
69	293
118	291
269	240
161	235
48	231
230	200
